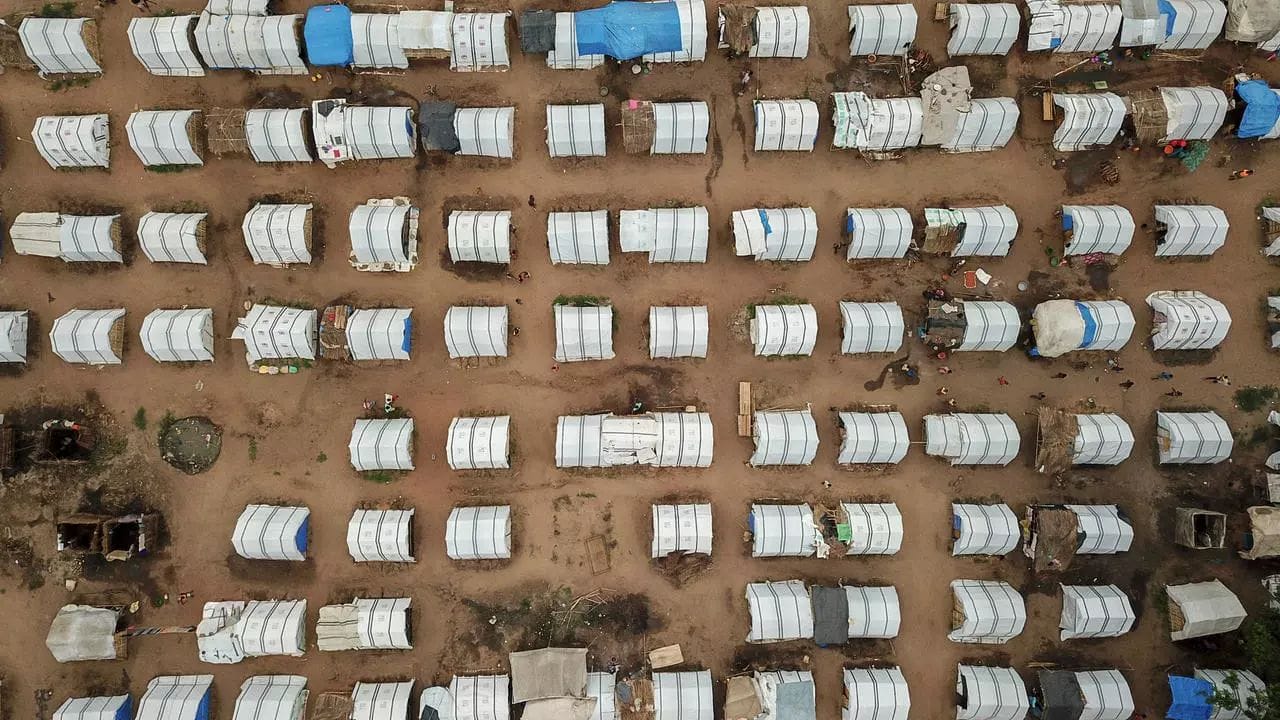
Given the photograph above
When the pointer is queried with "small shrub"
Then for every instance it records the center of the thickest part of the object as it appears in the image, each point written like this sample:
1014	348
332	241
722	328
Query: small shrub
581	300
57	10
382	477
253	449
140	419
1251	399
165	423
321	457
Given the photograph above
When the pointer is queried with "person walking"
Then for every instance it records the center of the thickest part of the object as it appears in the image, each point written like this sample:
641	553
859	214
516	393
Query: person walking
1218	379
1174	393
1165	375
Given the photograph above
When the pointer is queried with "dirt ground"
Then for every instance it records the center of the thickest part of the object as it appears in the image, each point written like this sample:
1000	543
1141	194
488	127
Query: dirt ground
284	438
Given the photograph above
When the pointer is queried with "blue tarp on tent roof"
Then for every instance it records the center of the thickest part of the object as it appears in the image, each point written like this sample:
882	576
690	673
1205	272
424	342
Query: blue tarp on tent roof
627	30
1190	698
328	36
1261	110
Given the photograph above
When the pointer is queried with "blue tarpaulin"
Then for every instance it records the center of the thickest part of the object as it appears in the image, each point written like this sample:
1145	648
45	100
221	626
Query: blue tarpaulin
1190	698
1261	110
1170	14
627	30
303	537
407	344
328	36
1090	325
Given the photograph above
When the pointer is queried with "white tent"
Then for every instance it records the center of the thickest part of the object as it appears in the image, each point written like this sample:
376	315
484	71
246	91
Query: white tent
485	132
1241	684
72	141
1201	609
471	331
238	7
271	332
479	443
875	694
278	235
176	697
987	125
1088	120
1194	113
876	124
684	529
583	333
783	531
13	336
1187	320
164	137
990	693
365	624
480	236
383	701
780	611
664	439
600	687
1142	23
480	697
667	234
58	46
1097	229
1192	438
74	238
479	42
987	231
784	437
231	631
872	438
780	32
784	330
871	327
116	707
564	53
1101	439
578	238
344	132
1062	326
272	532
680	128
381	536
874	528
877	232
1189	230
575	130
1271	218
786	125
991	612
277	135
676	332
881	29
989	325
272	697
1071	28
874	612
163	45
1095	611
781	693
173	237
379	334
266	45
479	533
376	41
683	695
85	336
982	28
972	438
384	235
693	37
83	632
382	444
184	335
983	529
1101	530
1195	24
783	234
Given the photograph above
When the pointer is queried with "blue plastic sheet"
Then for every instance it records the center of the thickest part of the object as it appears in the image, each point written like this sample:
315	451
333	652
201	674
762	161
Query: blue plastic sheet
328	36
1067	222
407	344
303	536
125	711
1170	16
1261	110
202	710
1190	699
1090	325
764	220
627	30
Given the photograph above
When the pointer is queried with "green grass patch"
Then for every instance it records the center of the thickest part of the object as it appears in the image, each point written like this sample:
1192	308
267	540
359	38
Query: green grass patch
253	449
1253	398
321	457
163	426
581	300
57	10
382	477
68	82
140	419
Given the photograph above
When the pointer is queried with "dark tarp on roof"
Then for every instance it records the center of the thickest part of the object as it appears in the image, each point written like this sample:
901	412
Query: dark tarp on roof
537	31
435	125
830	615
795	699
1061	695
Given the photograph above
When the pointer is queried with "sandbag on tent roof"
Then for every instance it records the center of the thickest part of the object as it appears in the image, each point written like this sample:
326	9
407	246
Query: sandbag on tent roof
874	528
272	332
384	235
876	124
871	327
277	135
72	141
684	529
780	234
184	335
343	132
382	444
485	132
784	330
365	624
1192	437
988	612
786	125
667	234
383	701
983	529
1189	230
676	332
1091	695
875	694
982	28
990	693
1070	28
1263	540
578	237
116	707
479	42
166	137
1187	320
475	331
583	333
90	337
480	236
83	632
379	334
163	45
970	231
266	45
575	130
972	438
1201	609
683	695
479	533
784	437
783	531
872	438
61	46
479	443
1063	326
1096	229
663	439
881	29
73	238
272	532
1242	685
877	232
988	124
1192	24
1088	120
13	336
778	31
780	611
1095	611
272	697
176	697
377	41
173	237
381	536
564	54
874	612
278	235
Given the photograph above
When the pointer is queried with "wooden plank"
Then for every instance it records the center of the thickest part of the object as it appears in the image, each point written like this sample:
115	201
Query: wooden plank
744	426
597	554
940	11
745	405
1046	106
665	657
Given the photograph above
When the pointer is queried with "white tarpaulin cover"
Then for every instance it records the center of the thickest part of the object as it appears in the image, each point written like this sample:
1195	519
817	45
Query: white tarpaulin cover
680	128
676	332
266	45
479	42
583	333
172	237
982	28
873	437
784	437
993	613
84	336
472	331
381	536
877	233
13	336
163	45
232	631
1187	320
178	335
238	7
564	54
160	137
1101	439
874	612
664	439
988	124
579	237
1100	530
684	529
382	701
989	325
116	707
990	693
72	141
74	238
365	624
176	697
379	334
278	235
876	124
1088	120
384	235
871	327
272	532
272	697
82	632
382	444
478	533
1095	611
783	531
781	32
784	330
875	694
277	135
693	36
683	695
1097	229
1192	437
376	41
881	29
575	130
986	230
983	529
1194	113
1062	326
780	611
667	234
874	528
1206	608
786	125
1190	230
972	438
480	236
1195	24
58	46
782	234
1072	28
485	132
479	443
272	332
1241	684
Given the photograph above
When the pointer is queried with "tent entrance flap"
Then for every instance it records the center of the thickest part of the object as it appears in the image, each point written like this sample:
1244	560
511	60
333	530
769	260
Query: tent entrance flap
627	30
